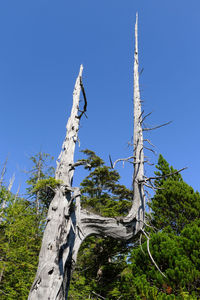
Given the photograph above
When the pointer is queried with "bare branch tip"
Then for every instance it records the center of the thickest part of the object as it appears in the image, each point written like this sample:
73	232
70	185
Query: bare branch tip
81	70
111	163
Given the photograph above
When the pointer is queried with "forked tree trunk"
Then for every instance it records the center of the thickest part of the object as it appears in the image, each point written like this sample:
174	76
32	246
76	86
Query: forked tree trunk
67	223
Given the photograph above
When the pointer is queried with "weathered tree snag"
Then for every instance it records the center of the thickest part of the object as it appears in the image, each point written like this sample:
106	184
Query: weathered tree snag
67	223
59	240
65	161
137	211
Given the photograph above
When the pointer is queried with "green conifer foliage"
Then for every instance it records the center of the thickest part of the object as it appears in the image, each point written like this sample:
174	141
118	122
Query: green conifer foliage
19	248
175	203
178	258
174	247
100	260
106	268
101	191
21	230
40	183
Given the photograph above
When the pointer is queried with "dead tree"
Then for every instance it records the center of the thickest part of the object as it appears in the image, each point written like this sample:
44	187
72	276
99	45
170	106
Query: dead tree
67	223
5	199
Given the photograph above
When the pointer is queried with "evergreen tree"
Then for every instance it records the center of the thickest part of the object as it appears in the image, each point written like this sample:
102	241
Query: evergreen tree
19	247
125	271
107	269
41	181
100	260
178	258
175	203
21	229
101	191
175	246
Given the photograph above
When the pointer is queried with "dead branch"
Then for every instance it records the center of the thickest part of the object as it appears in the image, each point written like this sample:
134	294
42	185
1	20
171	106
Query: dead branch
12	179
123	159
164	176
80	162
149	163
156	127
150	226
147	148
146	116
99	296
4	293
149	252
3	205
111	163
85	100
151	186
150	143
141	114
141	71
3	170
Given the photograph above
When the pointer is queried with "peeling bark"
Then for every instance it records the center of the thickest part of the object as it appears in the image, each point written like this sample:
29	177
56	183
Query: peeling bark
67	223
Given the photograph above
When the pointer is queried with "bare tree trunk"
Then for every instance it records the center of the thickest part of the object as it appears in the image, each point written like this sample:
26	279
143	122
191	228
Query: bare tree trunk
138	207
67	223
59	240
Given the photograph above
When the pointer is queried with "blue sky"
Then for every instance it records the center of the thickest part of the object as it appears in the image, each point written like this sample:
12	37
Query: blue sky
43	43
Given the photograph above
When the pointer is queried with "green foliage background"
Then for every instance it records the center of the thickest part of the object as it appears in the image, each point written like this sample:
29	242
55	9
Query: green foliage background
106	268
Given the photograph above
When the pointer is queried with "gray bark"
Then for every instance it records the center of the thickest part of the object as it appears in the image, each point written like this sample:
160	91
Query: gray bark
60	240
137	211
67	223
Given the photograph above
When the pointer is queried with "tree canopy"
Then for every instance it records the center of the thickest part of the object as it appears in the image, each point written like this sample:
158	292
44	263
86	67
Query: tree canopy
109	269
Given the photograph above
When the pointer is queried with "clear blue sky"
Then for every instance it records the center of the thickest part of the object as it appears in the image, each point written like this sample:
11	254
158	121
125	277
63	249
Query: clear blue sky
43	43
